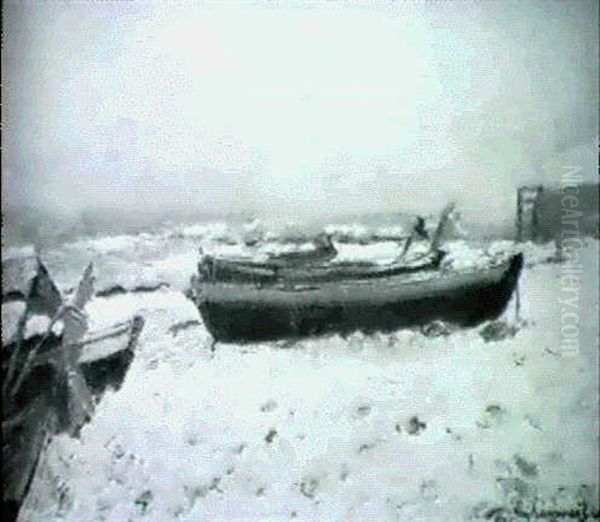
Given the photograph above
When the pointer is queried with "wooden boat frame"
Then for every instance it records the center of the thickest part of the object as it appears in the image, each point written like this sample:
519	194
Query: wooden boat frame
245	312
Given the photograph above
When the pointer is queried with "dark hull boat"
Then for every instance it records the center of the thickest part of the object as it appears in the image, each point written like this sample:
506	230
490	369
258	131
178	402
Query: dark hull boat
42	408
234	312
51	378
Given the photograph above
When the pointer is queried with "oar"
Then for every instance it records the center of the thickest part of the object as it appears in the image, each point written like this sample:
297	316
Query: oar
437	235
439	231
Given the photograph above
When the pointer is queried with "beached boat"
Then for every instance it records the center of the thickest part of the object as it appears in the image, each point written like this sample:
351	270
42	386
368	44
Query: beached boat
43	406
319	264
299	307
52	378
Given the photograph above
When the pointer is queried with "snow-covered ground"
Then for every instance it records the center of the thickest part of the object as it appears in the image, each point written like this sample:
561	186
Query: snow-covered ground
385	427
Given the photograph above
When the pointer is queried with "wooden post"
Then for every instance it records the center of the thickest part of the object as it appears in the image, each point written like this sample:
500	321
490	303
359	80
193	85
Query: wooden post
520	214
538	212
518	302
529	212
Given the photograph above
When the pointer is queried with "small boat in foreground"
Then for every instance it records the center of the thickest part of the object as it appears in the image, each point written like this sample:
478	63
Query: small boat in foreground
44	405
52	377
310	306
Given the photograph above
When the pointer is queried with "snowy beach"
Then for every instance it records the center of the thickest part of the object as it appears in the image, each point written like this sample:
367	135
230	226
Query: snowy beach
399	426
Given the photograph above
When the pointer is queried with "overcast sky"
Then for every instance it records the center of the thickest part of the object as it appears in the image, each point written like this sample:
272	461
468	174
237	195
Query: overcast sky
295	109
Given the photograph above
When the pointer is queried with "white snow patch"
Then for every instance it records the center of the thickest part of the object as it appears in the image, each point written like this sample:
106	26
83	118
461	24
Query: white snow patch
105	245
381	252
15	252
11	313
189	435
354	231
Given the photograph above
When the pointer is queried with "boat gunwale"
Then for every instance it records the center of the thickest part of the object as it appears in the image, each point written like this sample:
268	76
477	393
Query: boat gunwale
381	290
241	273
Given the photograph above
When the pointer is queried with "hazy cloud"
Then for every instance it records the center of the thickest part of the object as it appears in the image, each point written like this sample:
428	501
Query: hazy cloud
294	110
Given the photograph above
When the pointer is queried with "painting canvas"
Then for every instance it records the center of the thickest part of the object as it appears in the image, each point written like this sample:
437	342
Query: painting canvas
300	260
